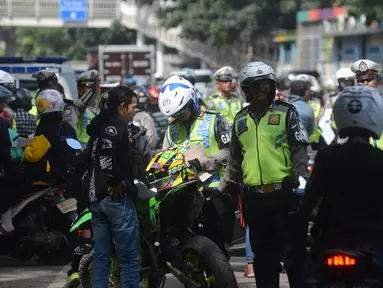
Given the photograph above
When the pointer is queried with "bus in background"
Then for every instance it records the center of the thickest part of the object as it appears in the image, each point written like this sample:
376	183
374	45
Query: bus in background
22	69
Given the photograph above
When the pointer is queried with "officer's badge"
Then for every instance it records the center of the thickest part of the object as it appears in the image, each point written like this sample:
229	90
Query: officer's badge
241	126
274	119
362	67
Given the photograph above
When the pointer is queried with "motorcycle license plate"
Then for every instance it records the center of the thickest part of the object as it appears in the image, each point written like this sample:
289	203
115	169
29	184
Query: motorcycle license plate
68	205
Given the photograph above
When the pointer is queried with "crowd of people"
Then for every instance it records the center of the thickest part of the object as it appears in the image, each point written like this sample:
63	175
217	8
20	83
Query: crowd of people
256	150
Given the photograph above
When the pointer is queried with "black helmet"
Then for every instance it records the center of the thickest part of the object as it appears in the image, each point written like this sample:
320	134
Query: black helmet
6	96
23	100
143	99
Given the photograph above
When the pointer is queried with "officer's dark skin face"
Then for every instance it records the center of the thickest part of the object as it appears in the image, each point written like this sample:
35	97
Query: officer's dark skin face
260	91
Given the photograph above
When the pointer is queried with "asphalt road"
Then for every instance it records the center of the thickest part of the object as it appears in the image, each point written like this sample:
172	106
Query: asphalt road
14	274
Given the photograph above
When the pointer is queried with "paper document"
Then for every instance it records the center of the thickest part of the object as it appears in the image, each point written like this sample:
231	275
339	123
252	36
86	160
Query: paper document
325	125
196	152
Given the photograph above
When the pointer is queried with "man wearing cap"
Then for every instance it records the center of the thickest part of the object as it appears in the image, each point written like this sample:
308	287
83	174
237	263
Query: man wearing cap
367	72
223	101
88	86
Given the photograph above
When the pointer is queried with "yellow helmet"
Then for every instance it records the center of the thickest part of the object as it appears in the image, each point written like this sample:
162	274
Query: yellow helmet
169	170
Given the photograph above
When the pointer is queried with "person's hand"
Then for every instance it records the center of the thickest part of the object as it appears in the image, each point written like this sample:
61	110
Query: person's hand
290	182
196	164
117	192
211	193
208	164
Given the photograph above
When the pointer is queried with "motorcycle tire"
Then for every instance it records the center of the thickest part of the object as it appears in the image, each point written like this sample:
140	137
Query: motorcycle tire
85	270
214	260
60	255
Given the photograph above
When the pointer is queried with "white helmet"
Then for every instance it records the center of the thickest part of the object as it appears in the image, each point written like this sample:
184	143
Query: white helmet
6	78
345	73
48	101
175	94
359	107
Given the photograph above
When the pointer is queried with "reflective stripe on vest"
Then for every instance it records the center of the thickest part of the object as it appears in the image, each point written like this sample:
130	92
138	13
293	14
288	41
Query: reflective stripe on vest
228	108
202	132
266	152
81	125
316	107
377	143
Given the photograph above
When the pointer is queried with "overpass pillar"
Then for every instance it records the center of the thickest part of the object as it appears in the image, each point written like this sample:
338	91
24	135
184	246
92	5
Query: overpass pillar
140	39
160	50
204	65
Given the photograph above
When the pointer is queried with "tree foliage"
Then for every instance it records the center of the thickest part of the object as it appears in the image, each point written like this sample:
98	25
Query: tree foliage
69	42
225	21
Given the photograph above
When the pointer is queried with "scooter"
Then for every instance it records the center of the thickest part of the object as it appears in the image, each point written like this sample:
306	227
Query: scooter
41	225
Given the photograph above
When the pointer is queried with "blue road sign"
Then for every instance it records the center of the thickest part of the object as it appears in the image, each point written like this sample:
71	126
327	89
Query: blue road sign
74	10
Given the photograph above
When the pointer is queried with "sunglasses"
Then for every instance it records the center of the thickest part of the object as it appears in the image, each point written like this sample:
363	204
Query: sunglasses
364	80
225	81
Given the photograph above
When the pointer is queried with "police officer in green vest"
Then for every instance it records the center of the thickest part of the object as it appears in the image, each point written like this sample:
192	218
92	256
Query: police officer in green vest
368	73
192	125
269	152
88	86
223	101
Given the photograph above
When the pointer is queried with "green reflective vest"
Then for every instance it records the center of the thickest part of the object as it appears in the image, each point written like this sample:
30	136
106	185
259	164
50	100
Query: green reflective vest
266	152
81	125
202	132
315	104
227	107
33	111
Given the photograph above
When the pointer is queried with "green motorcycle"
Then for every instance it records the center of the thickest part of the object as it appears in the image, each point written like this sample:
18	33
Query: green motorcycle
169	217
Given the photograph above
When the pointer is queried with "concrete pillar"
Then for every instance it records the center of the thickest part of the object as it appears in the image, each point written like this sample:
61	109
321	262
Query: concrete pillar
282	57
335	55
140	39
160	49
8	35
293	53
204	65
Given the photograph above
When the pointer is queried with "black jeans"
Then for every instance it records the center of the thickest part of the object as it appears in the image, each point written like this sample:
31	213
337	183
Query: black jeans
273	234
219	220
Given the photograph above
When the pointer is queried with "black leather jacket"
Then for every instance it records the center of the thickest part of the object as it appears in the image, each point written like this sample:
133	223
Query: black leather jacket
110	156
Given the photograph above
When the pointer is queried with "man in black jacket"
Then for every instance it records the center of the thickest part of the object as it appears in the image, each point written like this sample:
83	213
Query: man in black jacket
110	189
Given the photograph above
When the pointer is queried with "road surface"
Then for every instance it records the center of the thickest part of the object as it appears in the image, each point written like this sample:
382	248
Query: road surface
31	274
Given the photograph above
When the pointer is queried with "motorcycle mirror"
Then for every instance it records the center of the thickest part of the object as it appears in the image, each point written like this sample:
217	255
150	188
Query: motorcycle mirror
73	143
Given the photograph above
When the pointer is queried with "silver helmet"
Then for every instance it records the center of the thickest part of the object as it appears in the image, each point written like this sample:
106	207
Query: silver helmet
359	107
255	71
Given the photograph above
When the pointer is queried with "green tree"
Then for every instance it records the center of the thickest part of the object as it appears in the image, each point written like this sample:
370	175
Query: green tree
225	21
69	42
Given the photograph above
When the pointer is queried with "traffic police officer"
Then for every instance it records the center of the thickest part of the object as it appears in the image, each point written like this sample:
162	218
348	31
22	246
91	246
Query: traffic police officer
88	86
223	101
269	151
191	126
367	72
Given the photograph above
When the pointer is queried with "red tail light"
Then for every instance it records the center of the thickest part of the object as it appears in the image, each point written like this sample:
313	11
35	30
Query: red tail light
79	232
340	260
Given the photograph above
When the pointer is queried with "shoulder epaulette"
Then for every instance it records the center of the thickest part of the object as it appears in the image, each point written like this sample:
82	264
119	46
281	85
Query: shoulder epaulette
243	111
211	112
283	103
